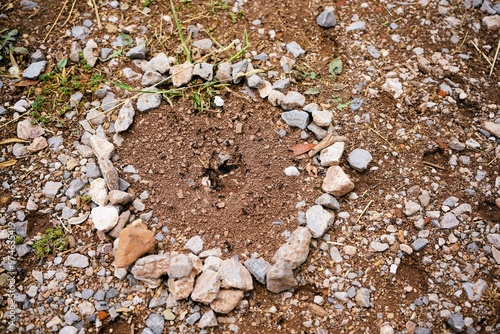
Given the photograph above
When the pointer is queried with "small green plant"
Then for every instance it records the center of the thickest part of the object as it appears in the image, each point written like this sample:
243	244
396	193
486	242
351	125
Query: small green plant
146	3
18	240
38	104
213	6
7	41
51	241
340	105
237	16
85	199
335	68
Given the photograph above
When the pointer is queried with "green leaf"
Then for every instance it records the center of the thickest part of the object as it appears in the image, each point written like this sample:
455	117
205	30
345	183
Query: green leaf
341	106
122	86
61	64
115	54
19	50
127	40
335	67
312	91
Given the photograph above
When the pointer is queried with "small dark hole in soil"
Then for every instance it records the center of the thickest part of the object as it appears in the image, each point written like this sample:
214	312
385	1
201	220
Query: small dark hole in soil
226	168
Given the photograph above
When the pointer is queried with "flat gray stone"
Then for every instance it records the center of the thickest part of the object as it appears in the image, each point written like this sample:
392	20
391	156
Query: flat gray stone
238	69
34	70
125	117
155	322
359	159
295	118
419	244
328	201
327	18
295	49
51	189
258	268
151	78
181	74
456	322
76	261
319	220
138	52
449	221
204	71
148	101
293	100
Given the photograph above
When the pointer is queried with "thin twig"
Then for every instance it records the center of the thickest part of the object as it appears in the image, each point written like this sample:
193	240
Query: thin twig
97	15
70	12
433	165
492	161
56	20
495	59
388	142
364	210
481	52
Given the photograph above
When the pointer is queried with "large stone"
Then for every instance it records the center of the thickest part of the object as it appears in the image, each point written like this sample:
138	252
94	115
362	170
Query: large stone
295	118
280	277
38	144
98	191
492	22
181	288
151	78
134	241
327	18
180	266
449	221
293	100
322	117
239	69
102	147
319	220
491	127
181	74
223	73
234	275
204	71
258	268
160	63
149	101
155	322
109	173
359	159
51	189
296	249
77	261
27	130
275	97
206	287
118	197
363	297
336	182
208	319
328	201
151	266
226	301
138	52
34	70
195	244
104	217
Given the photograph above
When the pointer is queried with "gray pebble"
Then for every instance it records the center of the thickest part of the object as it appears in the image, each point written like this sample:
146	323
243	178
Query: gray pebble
155	322
34	70
295	118
138	52
359	159
327	18
295	49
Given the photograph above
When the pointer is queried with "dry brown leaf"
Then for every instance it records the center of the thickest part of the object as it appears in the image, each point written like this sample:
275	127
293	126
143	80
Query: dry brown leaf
7	163
13	140
24	83
302	148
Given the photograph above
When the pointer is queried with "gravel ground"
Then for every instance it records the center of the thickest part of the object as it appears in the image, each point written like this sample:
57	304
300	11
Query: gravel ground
291	166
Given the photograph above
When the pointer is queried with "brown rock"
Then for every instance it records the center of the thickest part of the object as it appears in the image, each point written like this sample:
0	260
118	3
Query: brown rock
135	240
118	197
181	288
336	182
226	301
280	277
109	173
38	144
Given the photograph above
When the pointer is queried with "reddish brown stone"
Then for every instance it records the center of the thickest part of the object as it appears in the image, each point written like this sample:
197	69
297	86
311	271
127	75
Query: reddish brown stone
135	240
